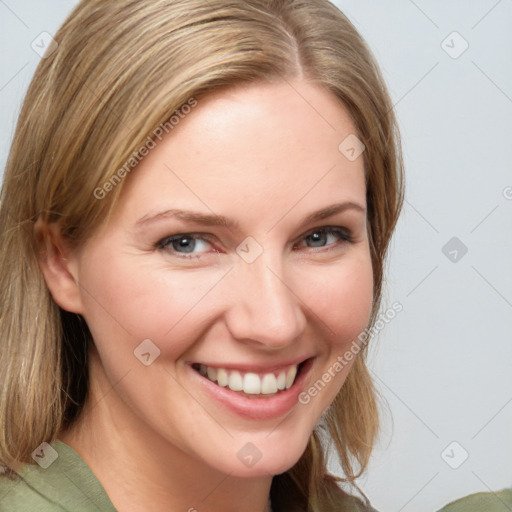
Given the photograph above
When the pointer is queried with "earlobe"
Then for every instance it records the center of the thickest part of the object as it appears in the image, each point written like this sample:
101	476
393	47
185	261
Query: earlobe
58	265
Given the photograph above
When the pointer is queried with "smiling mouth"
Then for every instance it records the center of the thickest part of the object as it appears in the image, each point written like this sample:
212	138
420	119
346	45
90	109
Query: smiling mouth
251	383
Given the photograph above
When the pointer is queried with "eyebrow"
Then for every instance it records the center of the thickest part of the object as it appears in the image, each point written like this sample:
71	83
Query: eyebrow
232	225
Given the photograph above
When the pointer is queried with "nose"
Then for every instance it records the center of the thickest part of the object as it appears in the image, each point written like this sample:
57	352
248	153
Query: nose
264	308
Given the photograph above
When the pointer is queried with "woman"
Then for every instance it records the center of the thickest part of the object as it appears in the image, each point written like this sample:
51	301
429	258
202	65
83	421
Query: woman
195	216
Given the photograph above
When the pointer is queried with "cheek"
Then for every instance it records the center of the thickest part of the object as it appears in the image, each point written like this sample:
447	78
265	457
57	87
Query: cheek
342	297
127	301
343	301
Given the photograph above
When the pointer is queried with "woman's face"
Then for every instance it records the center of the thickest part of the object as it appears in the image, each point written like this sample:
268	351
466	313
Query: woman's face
238	249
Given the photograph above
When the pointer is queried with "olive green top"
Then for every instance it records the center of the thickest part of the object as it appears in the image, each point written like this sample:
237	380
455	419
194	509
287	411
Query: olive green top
67	484
62	481
482	502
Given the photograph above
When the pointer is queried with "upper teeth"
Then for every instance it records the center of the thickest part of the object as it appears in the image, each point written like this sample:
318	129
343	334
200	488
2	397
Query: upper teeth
250	383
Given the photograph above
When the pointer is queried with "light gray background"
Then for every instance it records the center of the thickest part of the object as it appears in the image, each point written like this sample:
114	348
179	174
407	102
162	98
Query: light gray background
444	363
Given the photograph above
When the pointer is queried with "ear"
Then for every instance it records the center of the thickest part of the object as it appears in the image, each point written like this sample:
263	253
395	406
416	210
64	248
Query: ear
58	263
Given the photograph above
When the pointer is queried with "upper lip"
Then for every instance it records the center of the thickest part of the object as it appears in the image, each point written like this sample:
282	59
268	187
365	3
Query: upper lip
256	368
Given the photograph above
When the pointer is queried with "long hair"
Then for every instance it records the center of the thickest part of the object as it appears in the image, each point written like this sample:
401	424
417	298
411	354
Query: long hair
121	70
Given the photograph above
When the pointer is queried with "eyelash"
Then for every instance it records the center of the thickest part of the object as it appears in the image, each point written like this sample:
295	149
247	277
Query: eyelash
343	234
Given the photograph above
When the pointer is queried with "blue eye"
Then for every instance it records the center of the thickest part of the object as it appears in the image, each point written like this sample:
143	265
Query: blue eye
193	245
184	244
326	236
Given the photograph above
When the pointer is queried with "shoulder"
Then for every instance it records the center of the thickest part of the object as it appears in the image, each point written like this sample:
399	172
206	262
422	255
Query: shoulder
15	495
62	481
489	501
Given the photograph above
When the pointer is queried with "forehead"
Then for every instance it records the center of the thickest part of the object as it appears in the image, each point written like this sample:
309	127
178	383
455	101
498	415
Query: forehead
250	151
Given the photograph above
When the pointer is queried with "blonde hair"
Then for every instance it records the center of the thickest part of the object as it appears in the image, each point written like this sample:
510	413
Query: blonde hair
120	71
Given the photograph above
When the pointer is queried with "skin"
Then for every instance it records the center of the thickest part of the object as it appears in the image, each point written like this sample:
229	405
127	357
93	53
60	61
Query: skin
263	156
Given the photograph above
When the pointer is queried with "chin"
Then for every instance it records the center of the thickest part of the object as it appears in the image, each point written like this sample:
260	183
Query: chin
266	455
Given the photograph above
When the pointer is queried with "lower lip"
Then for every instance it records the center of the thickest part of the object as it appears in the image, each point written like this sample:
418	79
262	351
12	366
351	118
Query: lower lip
263	408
